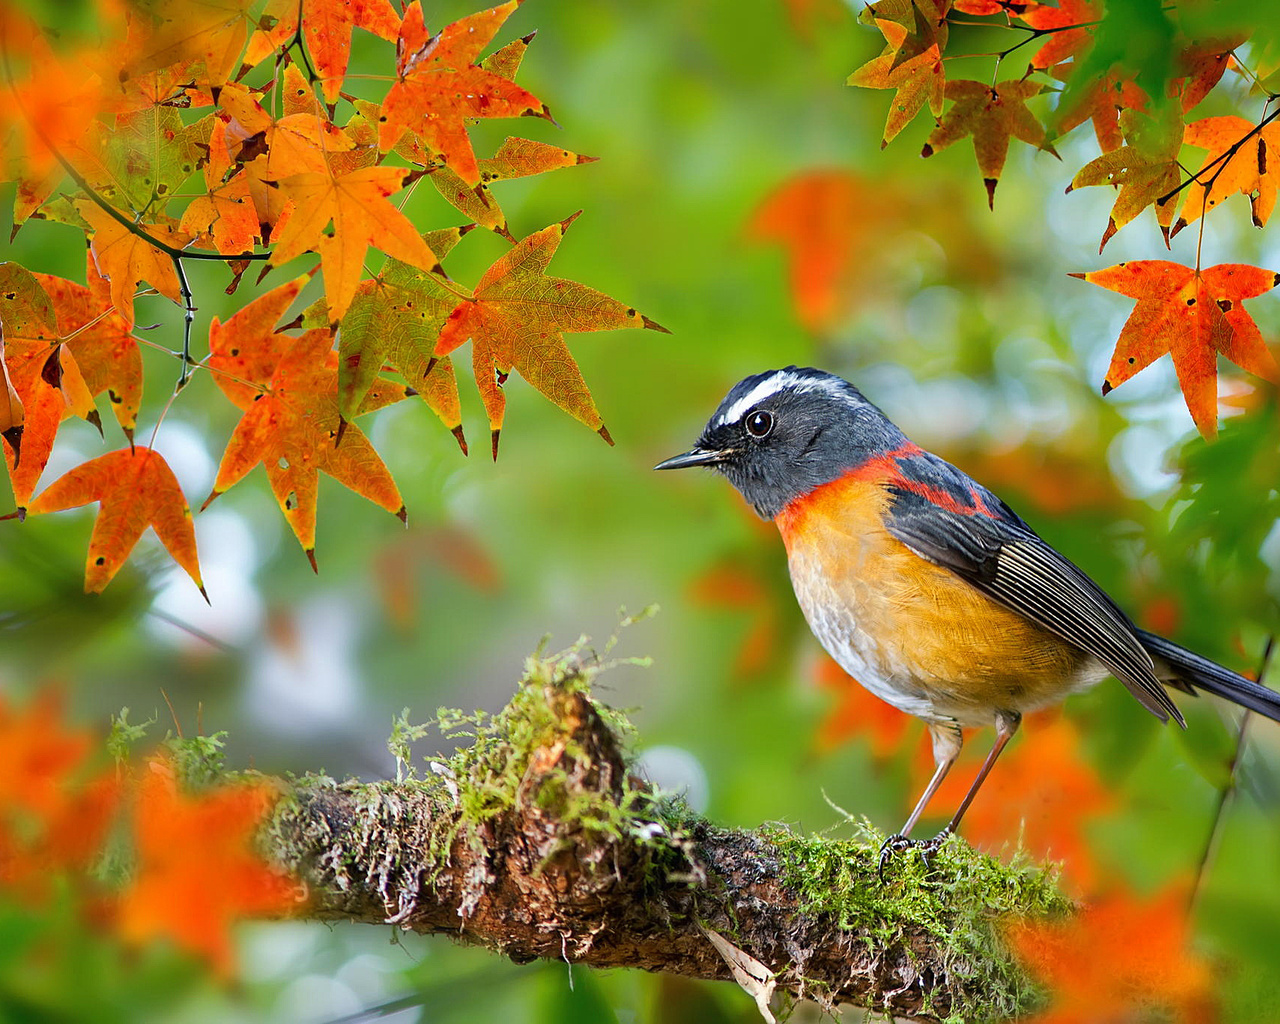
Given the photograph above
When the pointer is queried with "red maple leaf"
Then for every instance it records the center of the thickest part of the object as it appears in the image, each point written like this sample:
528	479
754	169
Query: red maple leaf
137	489
293	428
517	320
1194	315
440	85
326	27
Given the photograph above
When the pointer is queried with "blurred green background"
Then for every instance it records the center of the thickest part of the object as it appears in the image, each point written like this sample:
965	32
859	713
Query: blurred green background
968	333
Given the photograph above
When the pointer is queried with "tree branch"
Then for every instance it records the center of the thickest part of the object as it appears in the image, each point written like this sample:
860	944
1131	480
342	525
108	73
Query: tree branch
536	841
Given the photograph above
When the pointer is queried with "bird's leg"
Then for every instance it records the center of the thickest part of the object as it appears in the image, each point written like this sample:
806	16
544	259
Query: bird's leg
947	741
1007	723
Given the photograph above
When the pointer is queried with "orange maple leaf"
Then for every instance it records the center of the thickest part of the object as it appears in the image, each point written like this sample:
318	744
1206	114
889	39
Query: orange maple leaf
1045	795
1118	957
1101	102
185	841
245	351
225	215
515	158
1145	170
439	86
1064	41
106	353
916	81
326	27
210	32
356	204
41	375
991	116
292	429
517	320
270	149
126	259
1250	169
137	489
982	8
1201	65
910	27
394	321
1193	315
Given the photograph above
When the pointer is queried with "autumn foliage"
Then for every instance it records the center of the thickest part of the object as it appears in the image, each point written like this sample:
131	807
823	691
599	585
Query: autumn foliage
194	869
201	131
1142	127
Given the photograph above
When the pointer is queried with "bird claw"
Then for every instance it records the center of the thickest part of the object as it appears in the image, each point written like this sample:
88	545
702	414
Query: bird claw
927	847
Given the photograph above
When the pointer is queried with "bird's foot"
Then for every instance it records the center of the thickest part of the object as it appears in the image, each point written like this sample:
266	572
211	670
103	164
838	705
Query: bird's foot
927	847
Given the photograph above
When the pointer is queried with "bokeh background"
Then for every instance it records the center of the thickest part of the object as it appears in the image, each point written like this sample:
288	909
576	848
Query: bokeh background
709	118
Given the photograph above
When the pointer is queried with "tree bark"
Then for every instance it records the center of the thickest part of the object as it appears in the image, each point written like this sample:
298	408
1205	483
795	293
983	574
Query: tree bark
537	842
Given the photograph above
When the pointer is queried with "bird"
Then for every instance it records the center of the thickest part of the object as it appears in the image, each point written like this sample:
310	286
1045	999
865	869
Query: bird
925	586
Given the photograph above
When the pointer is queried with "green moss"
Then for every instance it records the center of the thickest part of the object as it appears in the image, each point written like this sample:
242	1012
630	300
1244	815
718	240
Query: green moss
958	901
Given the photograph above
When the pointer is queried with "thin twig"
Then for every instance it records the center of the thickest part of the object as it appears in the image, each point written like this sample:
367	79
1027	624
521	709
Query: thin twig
1227	791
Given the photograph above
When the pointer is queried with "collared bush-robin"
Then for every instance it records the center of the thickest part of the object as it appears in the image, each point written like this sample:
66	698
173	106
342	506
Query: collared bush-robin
927	588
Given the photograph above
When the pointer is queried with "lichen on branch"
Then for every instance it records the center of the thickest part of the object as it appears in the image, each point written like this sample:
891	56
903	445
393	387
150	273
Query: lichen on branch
537	840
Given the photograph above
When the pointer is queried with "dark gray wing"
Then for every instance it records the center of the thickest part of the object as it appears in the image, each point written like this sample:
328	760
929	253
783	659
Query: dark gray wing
987	544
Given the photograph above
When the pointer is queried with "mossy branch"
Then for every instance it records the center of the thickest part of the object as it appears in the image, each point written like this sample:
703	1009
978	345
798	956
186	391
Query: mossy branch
536	841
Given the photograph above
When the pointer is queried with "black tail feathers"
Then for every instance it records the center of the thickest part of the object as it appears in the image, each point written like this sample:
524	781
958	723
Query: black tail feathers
1211	677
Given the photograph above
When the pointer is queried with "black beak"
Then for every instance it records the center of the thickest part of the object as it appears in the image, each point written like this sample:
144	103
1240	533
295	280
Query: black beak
697	457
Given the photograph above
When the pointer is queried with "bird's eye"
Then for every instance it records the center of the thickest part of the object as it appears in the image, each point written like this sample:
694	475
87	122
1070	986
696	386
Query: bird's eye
759	423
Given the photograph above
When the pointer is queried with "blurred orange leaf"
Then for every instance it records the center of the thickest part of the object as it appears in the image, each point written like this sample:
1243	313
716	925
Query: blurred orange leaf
1193	315
197	872
1116	959
517	320
137	489
728	585
822	218
51	816
859	712
39	756
212	32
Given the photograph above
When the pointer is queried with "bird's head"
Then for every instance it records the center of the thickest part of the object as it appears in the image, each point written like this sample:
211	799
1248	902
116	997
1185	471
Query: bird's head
779	434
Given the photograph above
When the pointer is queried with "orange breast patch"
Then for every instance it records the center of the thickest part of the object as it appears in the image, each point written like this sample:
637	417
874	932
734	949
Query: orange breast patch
911	631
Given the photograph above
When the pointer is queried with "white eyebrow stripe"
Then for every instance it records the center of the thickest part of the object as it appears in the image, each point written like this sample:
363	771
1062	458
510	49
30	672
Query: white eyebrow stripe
777	382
